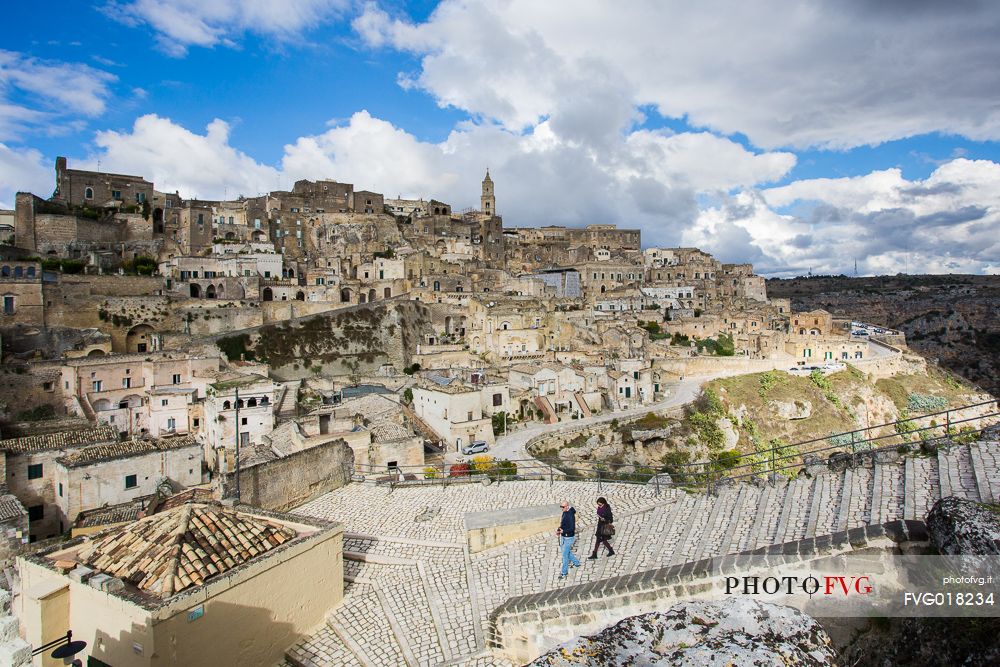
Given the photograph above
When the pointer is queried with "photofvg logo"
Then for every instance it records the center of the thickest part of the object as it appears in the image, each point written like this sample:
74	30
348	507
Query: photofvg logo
827	585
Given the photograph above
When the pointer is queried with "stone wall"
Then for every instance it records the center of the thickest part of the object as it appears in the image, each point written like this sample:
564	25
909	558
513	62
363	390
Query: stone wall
294	479
524	627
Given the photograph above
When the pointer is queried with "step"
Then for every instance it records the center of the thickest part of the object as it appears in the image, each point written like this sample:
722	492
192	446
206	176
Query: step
714	530
979	470
364	626
665	516
964	482
322	649
860	512
944	472
844	507
892	491
754	537
826	522
821	494
730	540
878	489
404	599
909	489
695	523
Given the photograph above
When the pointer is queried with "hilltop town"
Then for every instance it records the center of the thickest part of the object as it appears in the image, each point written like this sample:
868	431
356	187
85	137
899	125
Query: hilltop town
201	397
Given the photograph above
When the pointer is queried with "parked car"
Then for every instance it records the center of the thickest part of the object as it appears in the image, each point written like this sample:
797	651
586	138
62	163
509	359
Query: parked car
476	447
859	332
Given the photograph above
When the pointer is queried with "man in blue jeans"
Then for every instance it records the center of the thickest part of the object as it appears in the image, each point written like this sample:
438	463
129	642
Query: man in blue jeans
567	536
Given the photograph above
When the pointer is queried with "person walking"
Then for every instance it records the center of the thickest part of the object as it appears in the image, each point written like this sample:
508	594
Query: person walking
567	536
605	528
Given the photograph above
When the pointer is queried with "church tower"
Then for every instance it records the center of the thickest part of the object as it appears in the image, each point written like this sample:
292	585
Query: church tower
488	203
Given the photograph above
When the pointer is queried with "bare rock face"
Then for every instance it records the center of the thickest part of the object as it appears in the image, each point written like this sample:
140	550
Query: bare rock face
963	527
729	432
793	409
738	632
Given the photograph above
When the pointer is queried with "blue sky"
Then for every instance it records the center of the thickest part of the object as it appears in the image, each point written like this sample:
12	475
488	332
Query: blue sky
768	135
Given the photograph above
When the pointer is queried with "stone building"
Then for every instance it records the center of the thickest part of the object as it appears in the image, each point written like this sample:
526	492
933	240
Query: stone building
120	472
30	465
21	300
97	189
197	584
460	413
255	405
507	328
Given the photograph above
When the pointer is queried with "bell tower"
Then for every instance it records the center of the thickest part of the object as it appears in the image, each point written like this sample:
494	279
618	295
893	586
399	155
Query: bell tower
488	203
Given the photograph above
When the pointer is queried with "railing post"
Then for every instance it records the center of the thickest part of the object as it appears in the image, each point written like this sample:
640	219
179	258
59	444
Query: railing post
656	478
853	447
947	421
550	475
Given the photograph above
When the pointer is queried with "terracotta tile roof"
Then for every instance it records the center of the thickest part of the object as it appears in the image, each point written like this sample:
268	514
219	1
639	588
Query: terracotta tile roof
104	516
11	508
169	552
61	440
388	431
196	495
120	450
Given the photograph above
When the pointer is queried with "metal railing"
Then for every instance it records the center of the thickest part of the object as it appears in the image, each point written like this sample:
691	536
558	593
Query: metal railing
920	431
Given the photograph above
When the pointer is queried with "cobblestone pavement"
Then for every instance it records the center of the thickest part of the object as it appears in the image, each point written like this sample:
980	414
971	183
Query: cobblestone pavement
416	596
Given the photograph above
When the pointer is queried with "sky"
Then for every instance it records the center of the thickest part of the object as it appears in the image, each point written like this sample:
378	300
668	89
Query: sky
804	137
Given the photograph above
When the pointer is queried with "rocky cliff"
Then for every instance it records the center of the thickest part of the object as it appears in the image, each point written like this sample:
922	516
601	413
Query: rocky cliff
950	318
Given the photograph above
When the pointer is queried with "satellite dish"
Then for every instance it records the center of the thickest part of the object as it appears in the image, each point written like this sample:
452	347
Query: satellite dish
70	649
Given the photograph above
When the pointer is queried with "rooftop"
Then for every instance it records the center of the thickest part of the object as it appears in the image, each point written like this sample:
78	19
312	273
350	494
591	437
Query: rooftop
388	431
104	516
121	450
166	553
61	440
11	508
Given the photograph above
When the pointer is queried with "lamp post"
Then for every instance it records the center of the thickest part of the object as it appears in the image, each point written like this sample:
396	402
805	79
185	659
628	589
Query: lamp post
64	647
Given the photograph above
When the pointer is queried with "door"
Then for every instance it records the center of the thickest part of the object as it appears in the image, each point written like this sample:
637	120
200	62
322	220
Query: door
628	392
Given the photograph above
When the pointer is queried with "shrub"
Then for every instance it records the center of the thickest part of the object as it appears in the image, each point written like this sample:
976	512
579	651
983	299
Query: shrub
725	346
50	264
430	472
412	368
768	381
926	403
482	464
460	470
725	460
37	414
408	396
505	468
680	339
72	266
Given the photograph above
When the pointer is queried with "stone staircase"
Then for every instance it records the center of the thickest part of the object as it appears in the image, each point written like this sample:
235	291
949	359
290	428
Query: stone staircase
545	406
289	403
416	602
582	403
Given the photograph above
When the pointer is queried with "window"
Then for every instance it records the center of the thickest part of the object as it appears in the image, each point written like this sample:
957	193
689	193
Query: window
8	305
116	195
88	193
131	481
497	399
177	378
96	385
468	417
35	471
171	424
36	512
140	197
126	383
164	402
60	490
197	422
243	421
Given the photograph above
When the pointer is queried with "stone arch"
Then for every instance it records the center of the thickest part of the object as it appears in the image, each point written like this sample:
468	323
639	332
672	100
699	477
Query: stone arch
263	400
195	290
362	298
88	192
96	353
267	294
5	272
437	285
101	405
230	236
259	236
504	326
31	272
130	401
18	272
291	273
371	295
139	339
220	290
226	405
300	296
251	402
603	289
345	295
210	292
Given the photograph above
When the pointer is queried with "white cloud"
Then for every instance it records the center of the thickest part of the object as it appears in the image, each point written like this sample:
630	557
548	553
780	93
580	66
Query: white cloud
202	165
23	170
47	92
180	24
830	74
946	223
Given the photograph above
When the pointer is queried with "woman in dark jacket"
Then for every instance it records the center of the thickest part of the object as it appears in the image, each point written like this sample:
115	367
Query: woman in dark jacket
605	521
